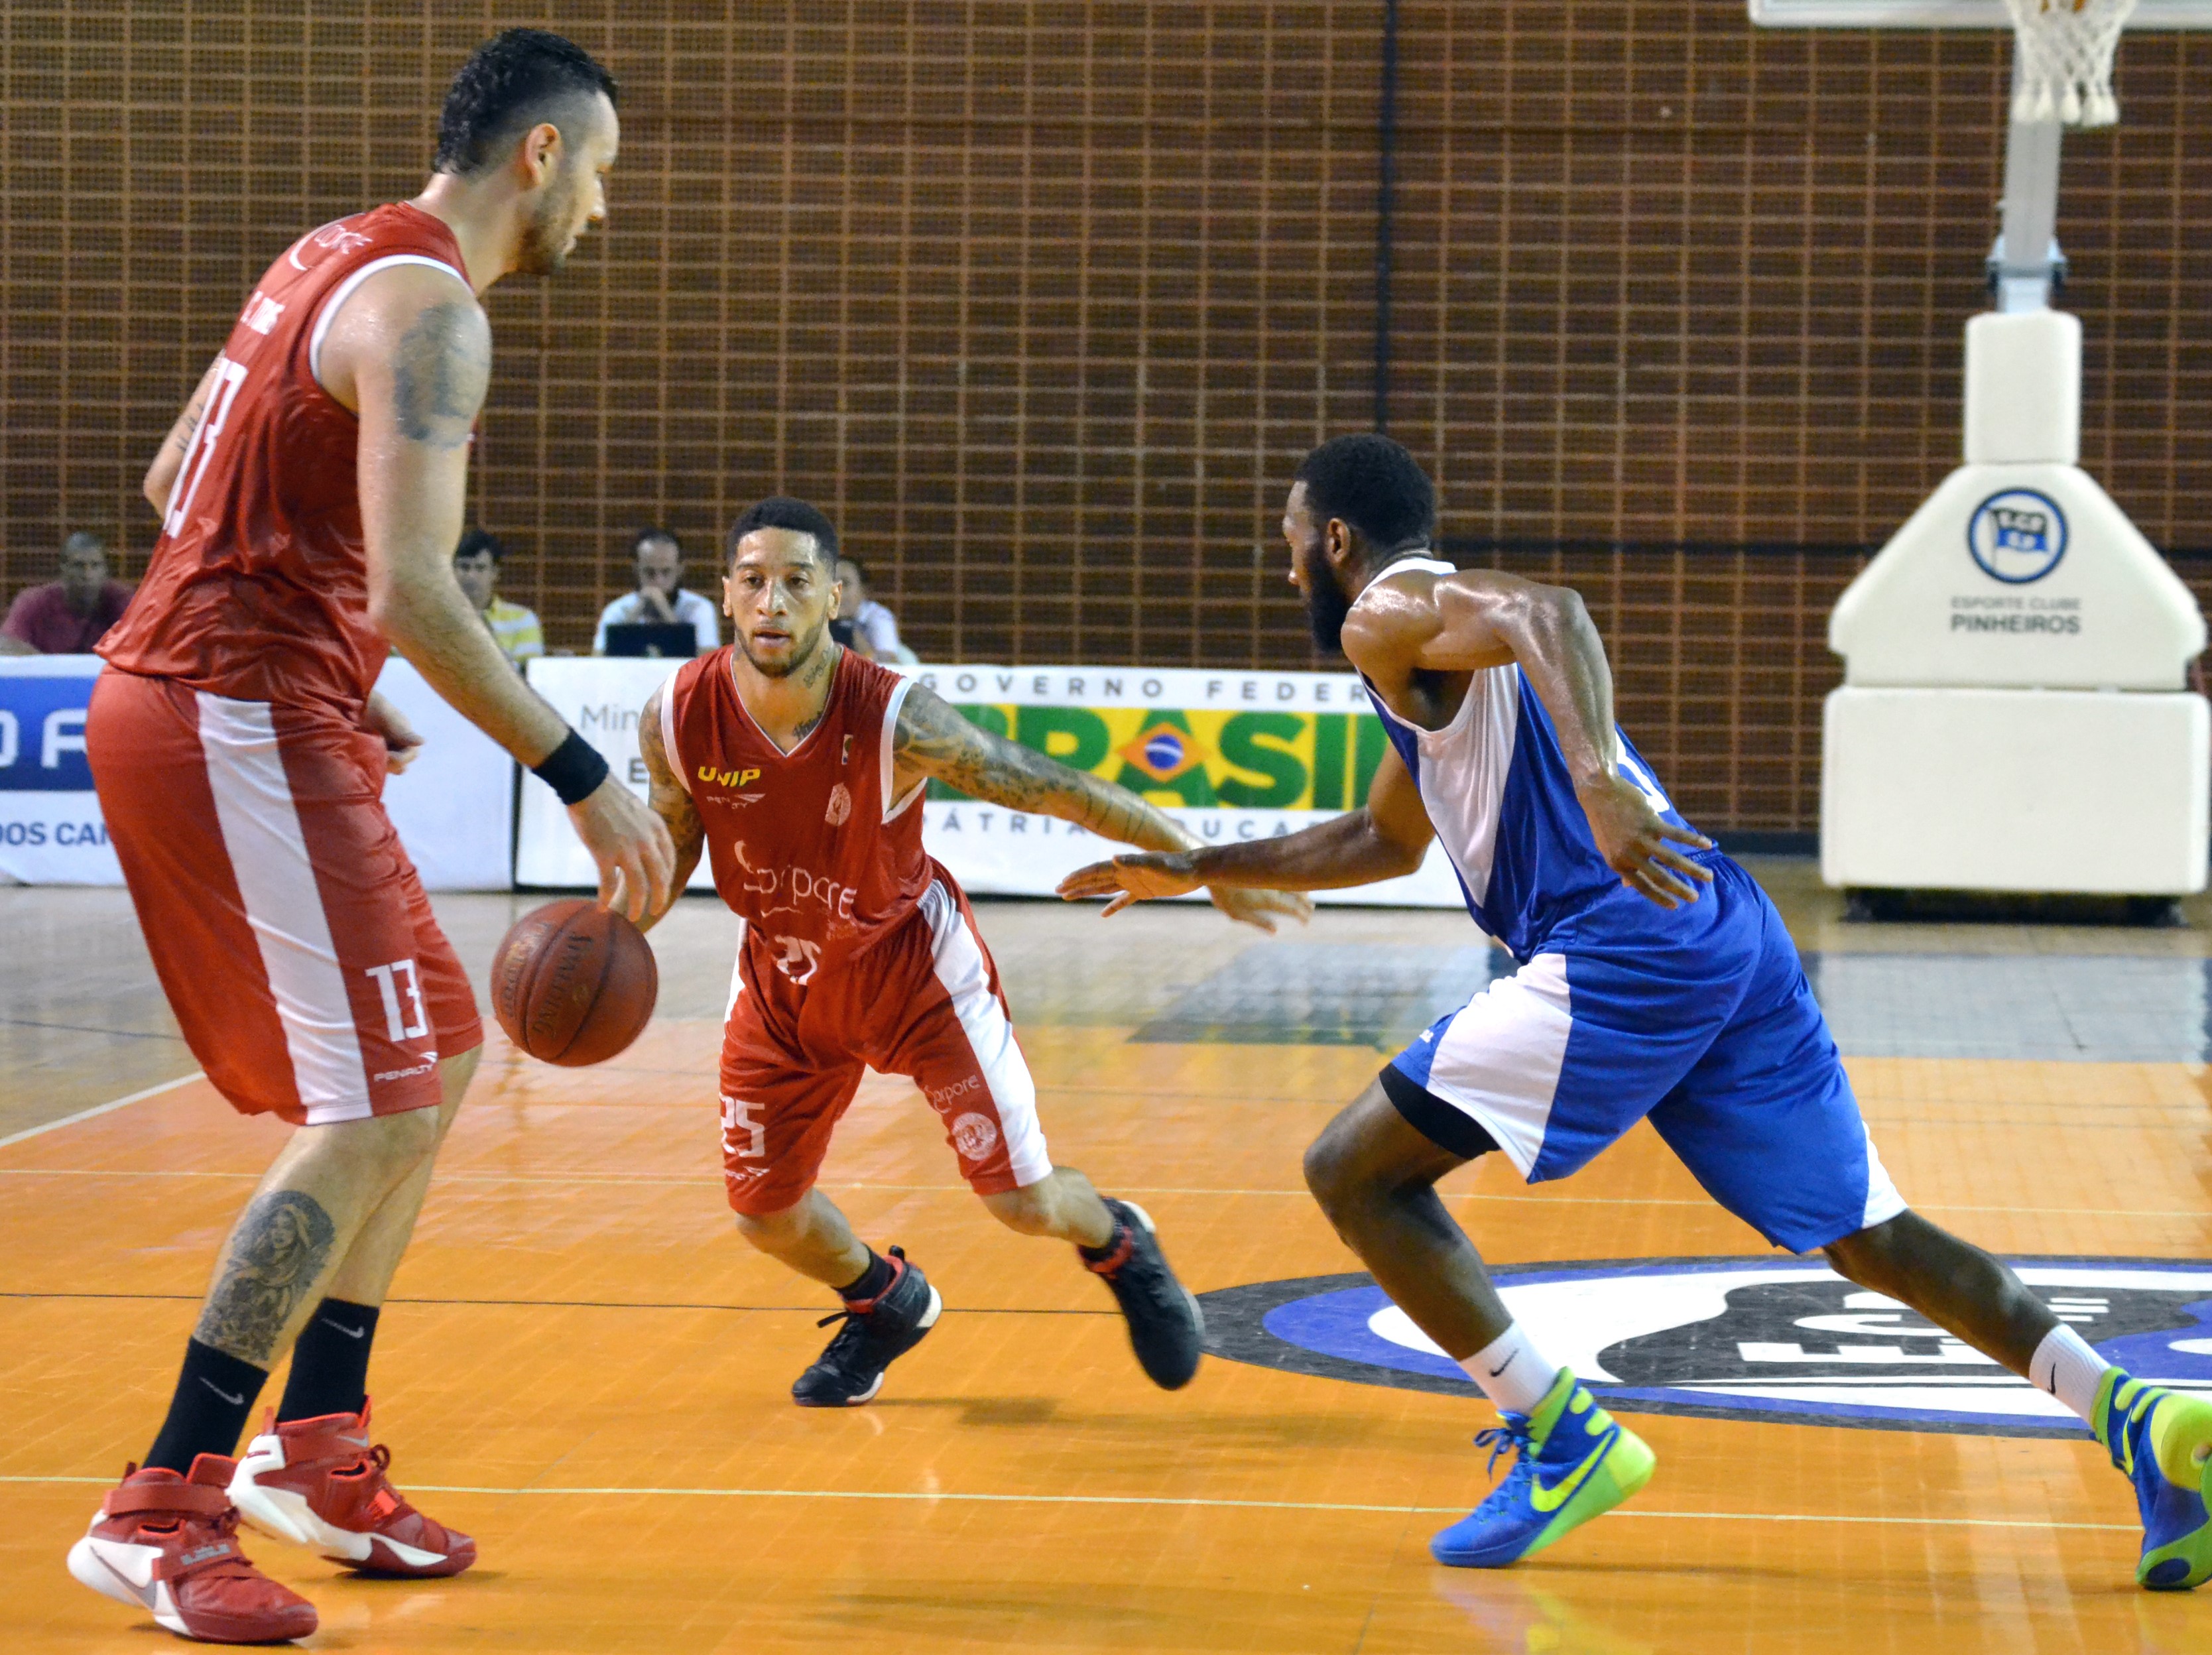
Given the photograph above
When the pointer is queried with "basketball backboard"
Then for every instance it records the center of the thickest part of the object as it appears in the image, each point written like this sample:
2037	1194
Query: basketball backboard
2149	15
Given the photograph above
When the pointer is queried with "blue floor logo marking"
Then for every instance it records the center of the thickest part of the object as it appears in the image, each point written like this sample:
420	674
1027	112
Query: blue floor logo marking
1744	1338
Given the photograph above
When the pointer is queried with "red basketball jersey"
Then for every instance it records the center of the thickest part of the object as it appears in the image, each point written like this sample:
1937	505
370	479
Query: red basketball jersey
809	846
257	588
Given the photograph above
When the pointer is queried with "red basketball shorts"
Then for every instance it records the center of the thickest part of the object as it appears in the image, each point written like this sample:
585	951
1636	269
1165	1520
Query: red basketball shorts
923	1002
288	926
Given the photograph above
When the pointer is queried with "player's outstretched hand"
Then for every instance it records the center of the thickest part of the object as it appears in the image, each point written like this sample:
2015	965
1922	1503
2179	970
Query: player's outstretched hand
1249	906
1633	837
631	845
1135	878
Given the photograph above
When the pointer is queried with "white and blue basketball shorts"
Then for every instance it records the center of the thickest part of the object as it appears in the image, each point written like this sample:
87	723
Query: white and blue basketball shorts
1700	1018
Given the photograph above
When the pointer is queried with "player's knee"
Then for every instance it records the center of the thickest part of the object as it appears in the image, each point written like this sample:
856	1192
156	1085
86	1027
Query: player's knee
773	1232
1030	1211
1873	1256
394	1144
1333	1170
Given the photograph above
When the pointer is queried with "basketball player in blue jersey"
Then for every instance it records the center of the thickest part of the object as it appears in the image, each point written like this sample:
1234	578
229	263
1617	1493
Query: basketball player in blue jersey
1656	980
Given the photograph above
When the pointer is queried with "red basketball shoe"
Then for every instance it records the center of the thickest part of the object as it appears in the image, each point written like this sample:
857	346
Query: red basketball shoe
169	1544
319	1482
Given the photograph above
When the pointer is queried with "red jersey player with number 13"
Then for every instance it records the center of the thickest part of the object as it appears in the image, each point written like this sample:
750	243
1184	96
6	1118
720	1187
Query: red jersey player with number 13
312	495
798	766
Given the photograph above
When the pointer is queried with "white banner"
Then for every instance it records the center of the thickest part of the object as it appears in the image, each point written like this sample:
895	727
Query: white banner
1229	756
453	808
599	696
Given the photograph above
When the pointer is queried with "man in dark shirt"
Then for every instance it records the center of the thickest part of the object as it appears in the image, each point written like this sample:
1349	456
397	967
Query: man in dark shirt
68	617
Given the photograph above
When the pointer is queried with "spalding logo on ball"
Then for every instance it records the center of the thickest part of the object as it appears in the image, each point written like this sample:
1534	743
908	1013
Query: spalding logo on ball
574	983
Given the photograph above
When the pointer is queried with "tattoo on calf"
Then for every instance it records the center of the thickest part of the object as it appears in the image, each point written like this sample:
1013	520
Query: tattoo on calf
278	1253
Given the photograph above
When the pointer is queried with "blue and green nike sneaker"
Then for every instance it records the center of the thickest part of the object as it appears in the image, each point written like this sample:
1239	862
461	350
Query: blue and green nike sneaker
2163	1440
1575	1462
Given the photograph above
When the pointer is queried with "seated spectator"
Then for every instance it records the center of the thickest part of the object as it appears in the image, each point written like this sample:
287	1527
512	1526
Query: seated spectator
660	597
871	619
512	627
69	616
844	628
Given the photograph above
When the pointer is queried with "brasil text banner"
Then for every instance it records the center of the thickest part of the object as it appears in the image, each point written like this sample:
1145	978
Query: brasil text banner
1229	756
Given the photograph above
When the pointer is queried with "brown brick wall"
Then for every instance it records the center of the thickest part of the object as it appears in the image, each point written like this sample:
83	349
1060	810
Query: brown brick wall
1044	301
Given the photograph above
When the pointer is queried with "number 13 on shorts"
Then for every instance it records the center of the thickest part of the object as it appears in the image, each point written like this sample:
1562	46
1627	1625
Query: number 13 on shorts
415	1022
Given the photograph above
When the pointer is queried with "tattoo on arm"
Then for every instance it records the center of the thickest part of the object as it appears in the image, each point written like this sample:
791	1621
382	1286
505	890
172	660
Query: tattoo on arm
669	799
934	739
439	372
278	1256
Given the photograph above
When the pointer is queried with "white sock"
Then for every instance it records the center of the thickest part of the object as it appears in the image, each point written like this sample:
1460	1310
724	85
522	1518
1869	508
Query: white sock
2066	1366
1512	1372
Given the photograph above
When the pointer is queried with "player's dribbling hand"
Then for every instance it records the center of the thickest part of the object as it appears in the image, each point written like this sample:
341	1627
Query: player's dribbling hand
630	843
1136	878
1632	837
1262	908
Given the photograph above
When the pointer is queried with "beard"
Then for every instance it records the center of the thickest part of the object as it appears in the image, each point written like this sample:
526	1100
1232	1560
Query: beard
1328	606
544	246
803	650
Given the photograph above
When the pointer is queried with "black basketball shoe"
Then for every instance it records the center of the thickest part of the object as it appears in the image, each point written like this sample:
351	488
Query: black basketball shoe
877	1332
1167	1329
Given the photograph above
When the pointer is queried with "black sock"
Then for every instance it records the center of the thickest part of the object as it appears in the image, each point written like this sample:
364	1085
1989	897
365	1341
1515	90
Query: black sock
215	1393
871	1283
329	1362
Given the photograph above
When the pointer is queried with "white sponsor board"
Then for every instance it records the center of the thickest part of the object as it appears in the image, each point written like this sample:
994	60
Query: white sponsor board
1205	745
451	807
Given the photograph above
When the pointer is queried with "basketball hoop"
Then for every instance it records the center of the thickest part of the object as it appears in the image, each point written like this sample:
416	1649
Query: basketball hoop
2063	69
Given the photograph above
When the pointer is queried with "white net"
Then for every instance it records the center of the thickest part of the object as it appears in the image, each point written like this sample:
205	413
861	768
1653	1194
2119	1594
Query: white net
2065	59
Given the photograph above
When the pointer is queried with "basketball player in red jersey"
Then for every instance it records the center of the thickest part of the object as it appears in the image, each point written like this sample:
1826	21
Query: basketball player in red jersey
311	495
797	765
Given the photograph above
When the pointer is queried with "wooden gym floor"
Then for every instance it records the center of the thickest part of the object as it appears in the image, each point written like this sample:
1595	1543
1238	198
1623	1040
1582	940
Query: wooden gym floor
586	1369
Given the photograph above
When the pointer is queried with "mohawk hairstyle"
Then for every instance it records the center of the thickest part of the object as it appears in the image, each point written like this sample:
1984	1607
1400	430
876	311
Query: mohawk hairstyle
509	83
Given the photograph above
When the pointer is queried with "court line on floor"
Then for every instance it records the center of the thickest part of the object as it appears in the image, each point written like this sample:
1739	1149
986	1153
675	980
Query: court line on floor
87	1028
102	1109
918	1496
707	1179
812	1310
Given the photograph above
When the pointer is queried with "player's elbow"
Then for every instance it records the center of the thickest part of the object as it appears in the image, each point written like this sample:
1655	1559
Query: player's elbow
394	609
1394	856
1553	611
1405	860
387	613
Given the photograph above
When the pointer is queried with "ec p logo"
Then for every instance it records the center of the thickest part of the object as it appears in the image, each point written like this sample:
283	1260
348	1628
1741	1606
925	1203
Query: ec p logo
2017	536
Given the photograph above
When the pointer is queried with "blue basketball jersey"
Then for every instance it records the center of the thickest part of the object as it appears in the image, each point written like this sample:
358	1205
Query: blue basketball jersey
1498	791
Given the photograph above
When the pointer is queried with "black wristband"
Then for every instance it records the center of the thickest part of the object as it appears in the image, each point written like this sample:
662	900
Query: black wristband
574	770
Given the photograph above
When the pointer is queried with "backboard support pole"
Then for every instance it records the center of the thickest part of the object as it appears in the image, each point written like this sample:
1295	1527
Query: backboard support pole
2026	262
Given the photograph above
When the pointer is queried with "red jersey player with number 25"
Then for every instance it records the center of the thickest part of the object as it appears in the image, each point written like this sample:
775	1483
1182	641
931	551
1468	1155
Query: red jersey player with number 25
311	496
798	766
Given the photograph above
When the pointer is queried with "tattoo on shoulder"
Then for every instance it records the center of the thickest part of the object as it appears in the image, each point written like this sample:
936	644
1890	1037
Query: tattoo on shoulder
276	1256
669	796
439	374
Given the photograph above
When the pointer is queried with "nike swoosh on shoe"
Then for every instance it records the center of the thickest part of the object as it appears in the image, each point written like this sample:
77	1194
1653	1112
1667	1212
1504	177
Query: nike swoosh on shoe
1551	1498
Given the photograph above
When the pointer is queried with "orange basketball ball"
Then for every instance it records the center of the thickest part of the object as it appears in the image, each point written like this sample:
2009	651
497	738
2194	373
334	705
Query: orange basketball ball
573	984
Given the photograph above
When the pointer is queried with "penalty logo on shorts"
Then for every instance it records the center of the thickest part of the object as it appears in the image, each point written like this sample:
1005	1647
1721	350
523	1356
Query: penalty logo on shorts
1743	1338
